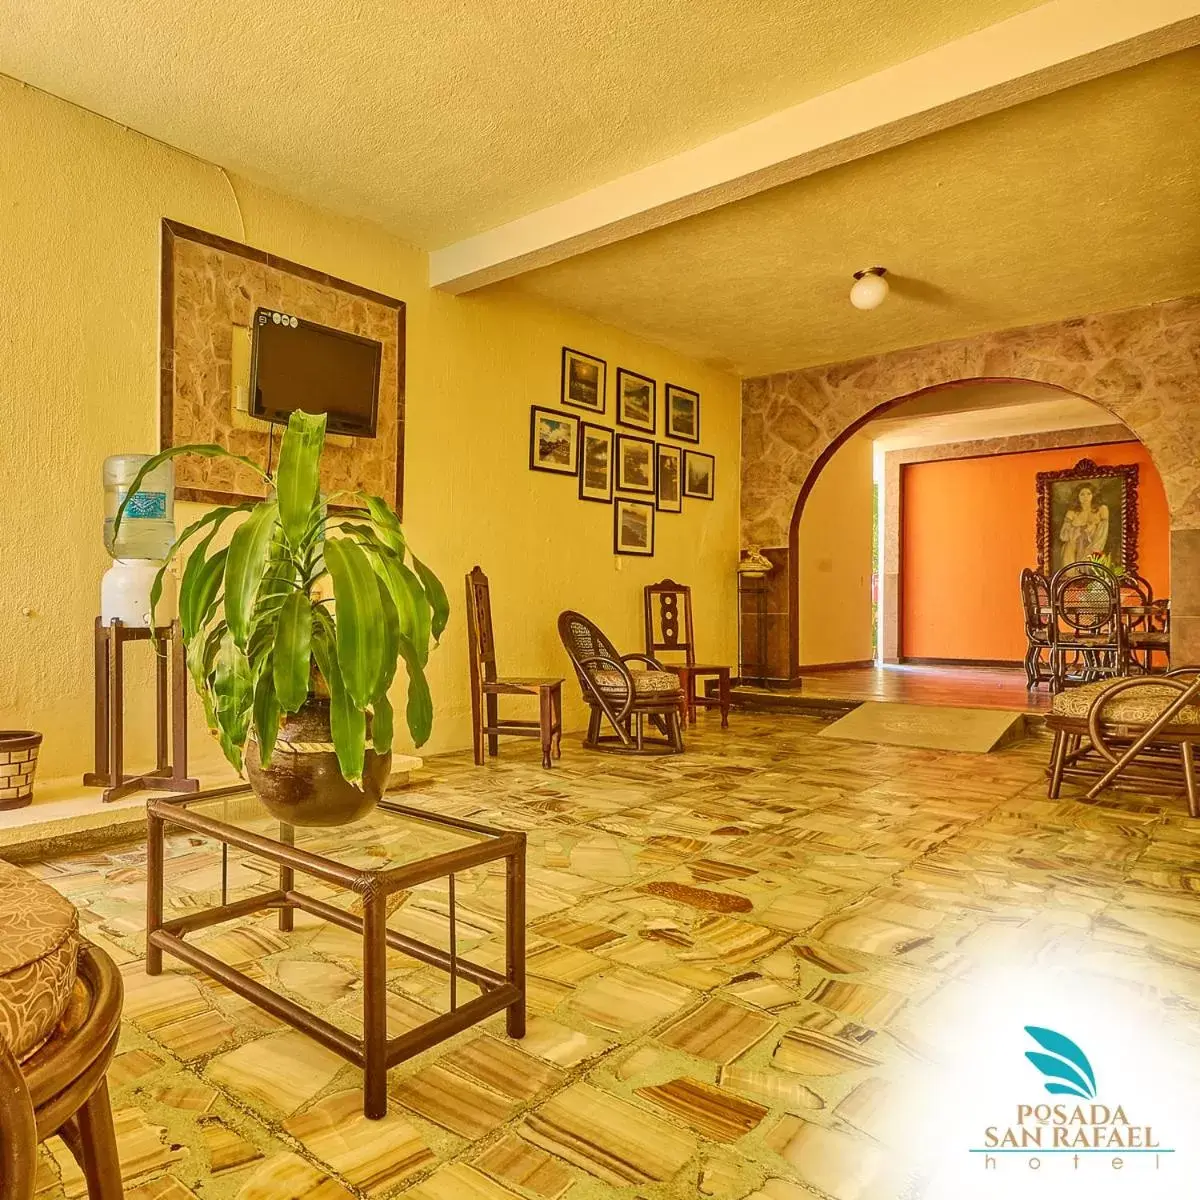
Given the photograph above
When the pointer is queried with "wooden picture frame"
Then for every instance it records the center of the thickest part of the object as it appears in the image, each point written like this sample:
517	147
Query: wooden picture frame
699	475
668	478
553	441
583	380
596	466
635	464
636	401
1088	512
681	413
633	527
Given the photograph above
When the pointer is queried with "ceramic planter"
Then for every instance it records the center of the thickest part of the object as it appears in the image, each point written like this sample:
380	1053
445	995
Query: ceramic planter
304	784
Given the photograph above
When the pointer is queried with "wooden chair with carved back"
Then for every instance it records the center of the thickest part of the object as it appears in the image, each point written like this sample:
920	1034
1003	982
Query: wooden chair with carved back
668	613
487	686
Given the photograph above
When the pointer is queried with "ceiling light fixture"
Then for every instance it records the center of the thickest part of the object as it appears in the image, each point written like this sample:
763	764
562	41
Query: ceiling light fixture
870	288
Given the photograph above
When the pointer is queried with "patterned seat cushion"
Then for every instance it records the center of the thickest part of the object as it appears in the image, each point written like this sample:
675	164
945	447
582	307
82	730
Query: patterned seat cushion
645	683
39	941
1137	706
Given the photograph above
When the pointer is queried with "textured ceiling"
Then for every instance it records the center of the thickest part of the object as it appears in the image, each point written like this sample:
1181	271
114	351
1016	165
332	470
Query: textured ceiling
1084	201
441	119
986	410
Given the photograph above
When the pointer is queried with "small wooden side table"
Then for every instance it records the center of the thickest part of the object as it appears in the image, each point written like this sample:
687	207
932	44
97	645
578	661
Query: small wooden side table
398	840
170	772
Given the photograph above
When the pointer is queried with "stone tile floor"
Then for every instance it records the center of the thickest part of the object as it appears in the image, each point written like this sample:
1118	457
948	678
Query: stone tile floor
748	966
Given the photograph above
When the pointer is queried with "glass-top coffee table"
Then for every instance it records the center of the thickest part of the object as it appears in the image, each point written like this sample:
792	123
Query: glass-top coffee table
392	849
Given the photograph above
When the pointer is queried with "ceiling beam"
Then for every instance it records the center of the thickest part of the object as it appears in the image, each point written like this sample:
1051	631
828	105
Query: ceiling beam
1054	46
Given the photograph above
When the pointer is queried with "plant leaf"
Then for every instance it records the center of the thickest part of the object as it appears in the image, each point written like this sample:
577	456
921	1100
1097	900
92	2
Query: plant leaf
389	649
358	618
266	713
293	651
199	589
233	692
419	711
207	450
438	601
347	723
298	476
1062	1046
386	522
245	567
382	720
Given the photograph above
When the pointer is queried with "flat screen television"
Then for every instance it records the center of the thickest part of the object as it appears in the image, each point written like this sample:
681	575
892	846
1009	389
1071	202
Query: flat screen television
297	364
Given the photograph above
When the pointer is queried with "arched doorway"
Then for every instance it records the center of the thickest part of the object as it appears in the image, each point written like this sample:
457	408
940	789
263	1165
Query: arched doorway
913	585
1141	364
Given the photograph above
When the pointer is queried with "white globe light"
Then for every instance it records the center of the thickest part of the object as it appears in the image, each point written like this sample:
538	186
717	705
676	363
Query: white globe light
870	288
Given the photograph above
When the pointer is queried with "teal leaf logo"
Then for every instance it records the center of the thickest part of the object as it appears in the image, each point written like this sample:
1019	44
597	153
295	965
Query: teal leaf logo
1066	1067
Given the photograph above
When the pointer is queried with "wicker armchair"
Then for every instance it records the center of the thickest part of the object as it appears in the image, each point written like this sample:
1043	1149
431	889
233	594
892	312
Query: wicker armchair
625	698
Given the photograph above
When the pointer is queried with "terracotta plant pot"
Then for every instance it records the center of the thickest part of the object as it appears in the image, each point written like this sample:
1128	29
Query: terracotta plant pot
18	764
304	785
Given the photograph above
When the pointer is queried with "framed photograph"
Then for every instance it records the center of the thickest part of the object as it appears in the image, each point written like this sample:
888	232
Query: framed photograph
682	413
583	380
595	463
553	441
699	471
635	464
635	400
669	494
1088	513
633	527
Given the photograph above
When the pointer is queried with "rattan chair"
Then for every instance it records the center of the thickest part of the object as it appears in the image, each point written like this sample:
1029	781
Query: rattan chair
1138	731
626	699
1087	632
61	1088
1035	601
1146	629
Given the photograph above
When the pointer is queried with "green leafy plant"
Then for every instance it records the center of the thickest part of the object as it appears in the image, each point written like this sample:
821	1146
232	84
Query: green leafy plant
262	636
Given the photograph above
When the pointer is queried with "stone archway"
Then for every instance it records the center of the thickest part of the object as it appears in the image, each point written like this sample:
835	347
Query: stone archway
1142	365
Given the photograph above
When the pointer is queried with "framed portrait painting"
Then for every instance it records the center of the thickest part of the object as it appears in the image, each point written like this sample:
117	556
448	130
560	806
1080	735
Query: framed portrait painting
553	441
595	463
1088	514
699	471
633	527
583	380
635	400
682	408
669	485
635	464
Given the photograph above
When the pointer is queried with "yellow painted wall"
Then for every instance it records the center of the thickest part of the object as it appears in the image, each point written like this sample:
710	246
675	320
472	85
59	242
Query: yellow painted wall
81	200
835	540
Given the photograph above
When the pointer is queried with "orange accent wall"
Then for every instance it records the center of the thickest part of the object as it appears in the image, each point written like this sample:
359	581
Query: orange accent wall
969	525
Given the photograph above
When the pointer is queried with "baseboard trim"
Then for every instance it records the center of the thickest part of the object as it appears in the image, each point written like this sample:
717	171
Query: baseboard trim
960	662
853	665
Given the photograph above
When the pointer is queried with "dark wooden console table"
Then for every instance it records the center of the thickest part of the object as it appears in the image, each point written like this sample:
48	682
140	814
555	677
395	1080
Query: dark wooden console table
391	849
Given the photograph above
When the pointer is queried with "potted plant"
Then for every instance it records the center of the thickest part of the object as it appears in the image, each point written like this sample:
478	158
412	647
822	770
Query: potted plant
294	632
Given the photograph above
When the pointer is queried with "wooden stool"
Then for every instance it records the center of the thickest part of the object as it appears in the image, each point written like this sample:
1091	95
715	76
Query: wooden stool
61	1088
487	687
672	633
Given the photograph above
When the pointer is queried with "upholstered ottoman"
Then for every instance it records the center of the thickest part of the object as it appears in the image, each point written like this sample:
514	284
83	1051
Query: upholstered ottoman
39	946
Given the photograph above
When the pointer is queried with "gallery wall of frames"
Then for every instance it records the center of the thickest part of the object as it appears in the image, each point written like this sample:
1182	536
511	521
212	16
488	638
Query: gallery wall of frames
623	464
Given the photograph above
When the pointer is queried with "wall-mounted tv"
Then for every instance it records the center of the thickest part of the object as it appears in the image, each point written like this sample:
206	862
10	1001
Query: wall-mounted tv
297	364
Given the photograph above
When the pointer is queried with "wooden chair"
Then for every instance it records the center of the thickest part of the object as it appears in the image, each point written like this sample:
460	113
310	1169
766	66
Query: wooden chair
1085	625
1035	601
626	698
61	1088
487	687
674	609
1138	730
1147	632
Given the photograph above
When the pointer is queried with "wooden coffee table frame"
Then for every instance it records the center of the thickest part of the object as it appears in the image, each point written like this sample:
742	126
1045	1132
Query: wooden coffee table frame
374	1052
